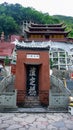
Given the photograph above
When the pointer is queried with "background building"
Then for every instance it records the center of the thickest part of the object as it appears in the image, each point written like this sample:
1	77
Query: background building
45	32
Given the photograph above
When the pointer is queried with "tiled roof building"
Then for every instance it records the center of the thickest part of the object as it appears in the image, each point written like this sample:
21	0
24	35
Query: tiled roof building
6	50
45	32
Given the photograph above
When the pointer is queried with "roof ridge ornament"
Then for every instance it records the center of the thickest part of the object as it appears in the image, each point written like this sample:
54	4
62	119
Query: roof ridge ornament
32	45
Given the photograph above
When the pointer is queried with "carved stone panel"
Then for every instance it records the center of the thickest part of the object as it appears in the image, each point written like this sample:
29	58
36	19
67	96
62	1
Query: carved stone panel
32	80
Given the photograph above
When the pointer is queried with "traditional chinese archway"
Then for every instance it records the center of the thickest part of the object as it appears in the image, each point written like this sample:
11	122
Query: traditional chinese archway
32	73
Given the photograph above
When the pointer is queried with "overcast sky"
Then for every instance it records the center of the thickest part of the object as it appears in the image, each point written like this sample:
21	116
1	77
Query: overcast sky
60	7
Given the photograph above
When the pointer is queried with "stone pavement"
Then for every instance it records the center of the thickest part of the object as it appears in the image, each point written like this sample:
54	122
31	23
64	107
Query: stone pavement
36	121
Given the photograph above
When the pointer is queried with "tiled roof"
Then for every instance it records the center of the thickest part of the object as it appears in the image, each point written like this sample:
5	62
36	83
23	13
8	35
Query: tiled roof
47	32
14	37
6	45
6	49
32	45
5	52
49	25
47	28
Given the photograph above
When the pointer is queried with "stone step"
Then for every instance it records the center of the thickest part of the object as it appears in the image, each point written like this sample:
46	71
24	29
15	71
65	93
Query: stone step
30	104
31	101
32	97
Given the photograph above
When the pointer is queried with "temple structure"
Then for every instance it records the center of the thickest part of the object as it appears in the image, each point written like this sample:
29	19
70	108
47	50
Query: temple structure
31	66
31	70
46	32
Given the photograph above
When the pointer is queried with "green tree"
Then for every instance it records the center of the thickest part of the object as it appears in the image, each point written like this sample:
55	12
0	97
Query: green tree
51	64
8	25
6	61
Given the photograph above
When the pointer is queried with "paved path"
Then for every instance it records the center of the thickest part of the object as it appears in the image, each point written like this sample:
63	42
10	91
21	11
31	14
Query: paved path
32	121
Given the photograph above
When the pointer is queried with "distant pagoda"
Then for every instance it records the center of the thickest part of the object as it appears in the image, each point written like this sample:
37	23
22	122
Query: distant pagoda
45	32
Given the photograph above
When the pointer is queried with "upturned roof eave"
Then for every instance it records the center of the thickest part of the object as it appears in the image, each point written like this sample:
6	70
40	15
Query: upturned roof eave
46	32
46	27
59	24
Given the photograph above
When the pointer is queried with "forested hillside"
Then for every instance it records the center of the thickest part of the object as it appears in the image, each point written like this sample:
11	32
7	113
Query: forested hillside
67	20
13	15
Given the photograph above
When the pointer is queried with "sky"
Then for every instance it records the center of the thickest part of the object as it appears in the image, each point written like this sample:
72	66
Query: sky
53	7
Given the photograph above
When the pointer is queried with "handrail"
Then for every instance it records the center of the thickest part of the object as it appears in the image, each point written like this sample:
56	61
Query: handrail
6	81
59	83
54	80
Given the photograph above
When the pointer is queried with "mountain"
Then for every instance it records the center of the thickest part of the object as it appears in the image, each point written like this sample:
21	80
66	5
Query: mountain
13	15
68	20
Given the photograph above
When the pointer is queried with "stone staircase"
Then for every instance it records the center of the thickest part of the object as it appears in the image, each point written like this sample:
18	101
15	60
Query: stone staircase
8	95
10	87
7	84
32	101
